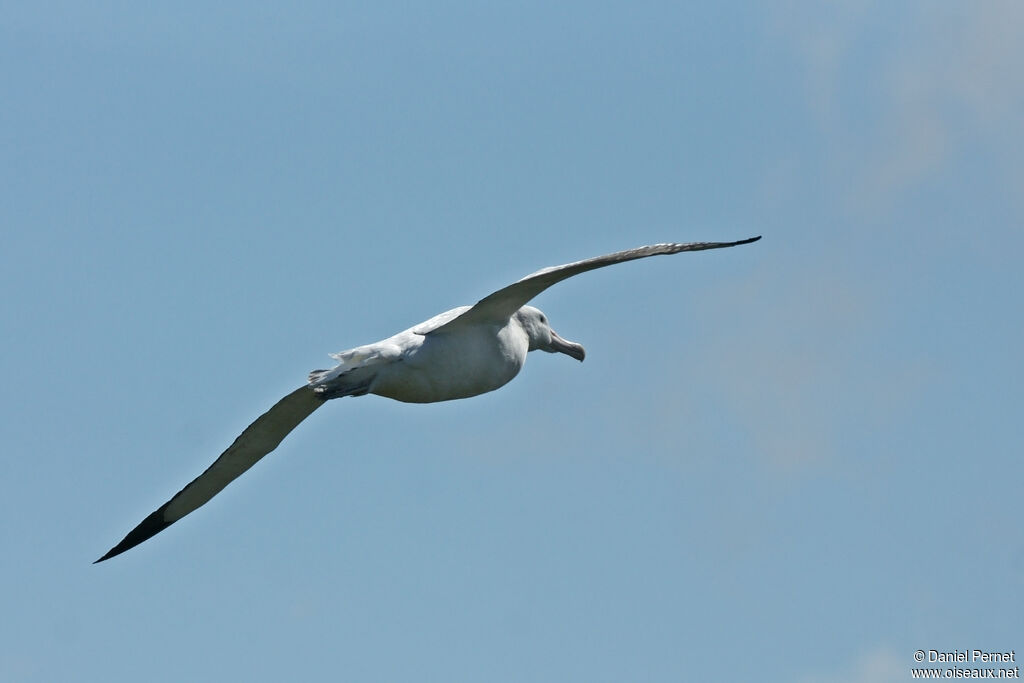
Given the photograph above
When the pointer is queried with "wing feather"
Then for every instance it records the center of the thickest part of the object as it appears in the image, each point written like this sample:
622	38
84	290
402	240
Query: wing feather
498	307
258	439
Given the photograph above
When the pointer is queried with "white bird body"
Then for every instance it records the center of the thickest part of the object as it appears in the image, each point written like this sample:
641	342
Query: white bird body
447	367
460	353
425	365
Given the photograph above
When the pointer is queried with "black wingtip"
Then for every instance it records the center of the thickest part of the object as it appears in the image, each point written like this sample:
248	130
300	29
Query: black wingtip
749	240
146	529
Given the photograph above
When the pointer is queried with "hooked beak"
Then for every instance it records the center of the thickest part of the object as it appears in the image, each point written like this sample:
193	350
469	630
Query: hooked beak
567	347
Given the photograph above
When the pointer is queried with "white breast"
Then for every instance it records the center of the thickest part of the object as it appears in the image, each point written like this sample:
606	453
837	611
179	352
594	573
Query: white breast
442	367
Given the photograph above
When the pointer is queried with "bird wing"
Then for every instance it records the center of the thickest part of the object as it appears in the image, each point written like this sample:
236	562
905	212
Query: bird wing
498	307
258	439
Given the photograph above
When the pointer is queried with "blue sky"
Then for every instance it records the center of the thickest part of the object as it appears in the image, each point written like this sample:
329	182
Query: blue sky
793	461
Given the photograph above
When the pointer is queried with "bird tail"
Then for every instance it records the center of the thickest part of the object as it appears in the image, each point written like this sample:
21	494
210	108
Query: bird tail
354	375
320	376
342	381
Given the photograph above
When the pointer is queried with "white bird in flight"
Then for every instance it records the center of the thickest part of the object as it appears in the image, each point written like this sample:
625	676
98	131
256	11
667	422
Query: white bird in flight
460	353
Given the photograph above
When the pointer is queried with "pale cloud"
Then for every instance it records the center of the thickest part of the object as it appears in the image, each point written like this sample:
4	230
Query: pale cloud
822	35
785	373
939	82
881	665
802	370
985	73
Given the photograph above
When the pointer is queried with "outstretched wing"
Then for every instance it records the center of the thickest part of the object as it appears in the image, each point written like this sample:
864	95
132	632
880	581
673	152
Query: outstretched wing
258	439
498	307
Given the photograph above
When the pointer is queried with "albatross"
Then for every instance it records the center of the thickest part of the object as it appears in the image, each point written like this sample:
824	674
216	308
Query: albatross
460	353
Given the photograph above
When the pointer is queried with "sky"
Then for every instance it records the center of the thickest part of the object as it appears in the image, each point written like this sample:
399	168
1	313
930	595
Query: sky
793	461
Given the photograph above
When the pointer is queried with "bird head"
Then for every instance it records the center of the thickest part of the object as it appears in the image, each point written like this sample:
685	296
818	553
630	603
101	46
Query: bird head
543	338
